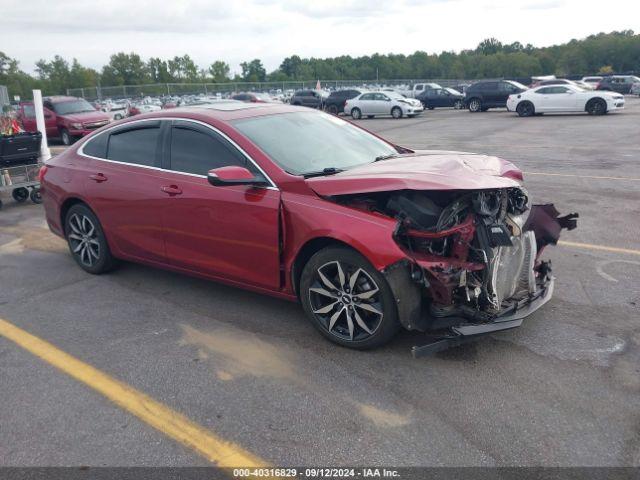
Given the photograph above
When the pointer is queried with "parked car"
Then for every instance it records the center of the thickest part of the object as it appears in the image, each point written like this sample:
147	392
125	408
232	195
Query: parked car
564	98
138	108
66	118
371	104
441	97
554	81
309	98
253	97
618	83
336	100
115	110
486	94
417	88
369	236
593	81
635	88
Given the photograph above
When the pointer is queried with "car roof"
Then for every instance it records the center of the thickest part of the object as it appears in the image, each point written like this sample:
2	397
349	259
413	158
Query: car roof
61	98
225	111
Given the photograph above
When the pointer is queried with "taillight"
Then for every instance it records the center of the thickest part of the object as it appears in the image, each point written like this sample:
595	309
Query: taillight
42	173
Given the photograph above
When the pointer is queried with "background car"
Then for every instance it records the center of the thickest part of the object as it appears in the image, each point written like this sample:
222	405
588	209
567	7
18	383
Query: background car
138	108
253	97
66	118
371	104
593	80
635	88
441	97
309	98
486	94
336	100
563	98
618	83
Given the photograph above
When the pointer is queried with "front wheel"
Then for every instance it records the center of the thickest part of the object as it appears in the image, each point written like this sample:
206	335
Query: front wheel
356	114
475	105
86	239
66	137
597	106
348	300
396	112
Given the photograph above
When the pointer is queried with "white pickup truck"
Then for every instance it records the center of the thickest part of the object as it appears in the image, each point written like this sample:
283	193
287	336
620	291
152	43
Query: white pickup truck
417	88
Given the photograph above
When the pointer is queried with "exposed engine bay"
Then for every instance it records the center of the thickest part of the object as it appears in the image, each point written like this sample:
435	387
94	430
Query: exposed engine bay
474	253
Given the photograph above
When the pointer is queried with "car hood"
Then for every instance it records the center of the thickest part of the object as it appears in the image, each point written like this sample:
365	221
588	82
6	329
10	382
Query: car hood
84	117
421	170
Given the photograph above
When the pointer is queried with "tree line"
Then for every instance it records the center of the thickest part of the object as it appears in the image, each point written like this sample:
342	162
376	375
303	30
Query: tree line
615	52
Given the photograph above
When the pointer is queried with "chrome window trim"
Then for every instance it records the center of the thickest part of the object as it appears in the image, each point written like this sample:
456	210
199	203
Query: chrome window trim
80	151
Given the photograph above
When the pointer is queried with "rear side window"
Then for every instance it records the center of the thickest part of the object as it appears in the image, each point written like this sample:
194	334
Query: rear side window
196	151
97	146
136	146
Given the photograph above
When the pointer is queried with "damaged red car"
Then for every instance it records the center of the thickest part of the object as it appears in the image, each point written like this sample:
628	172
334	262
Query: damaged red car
368	236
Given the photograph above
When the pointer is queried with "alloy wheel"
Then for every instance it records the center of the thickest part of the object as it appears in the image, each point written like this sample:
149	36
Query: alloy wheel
346	301
84	239
396	112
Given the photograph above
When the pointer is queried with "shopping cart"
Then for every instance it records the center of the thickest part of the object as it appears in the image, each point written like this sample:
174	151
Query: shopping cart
19	166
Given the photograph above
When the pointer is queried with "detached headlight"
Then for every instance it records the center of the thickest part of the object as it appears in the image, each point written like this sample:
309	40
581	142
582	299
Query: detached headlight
77	126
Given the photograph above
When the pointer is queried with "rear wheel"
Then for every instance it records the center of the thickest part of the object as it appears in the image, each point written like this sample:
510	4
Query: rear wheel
597	106
348	300
332	109
475	105
356	114
36	195
370	116
86	239
525	109
396	112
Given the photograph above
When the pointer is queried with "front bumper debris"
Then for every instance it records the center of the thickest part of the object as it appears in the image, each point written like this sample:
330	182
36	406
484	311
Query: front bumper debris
465	332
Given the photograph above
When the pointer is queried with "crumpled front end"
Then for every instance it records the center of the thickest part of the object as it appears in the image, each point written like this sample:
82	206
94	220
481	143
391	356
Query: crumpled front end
473	260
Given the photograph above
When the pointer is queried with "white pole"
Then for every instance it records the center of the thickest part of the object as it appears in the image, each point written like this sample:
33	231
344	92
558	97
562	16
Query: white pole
45	153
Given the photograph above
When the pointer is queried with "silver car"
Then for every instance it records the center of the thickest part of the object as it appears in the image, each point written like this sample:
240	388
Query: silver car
371	104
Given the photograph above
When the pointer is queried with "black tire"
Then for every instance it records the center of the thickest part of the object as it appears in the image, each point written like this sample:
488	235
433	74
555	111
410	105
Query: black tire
66	137
35	195
344	320
396	112
526	109
370	116
356	113
86	240
475	105
332	109
596	106
431	108
20	195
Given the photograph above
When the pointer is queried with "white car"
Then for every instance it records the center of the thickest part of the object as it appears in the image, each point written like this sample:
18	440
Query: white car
372	104
635	89
563	98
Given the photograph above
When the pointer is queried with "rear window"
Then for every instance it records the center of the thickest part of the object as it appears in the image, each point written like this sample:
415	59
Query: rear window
137	146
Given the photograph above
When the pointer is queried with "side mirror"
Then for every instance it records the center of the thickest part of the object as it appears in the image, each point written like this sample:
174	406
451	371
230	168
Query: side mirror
226	176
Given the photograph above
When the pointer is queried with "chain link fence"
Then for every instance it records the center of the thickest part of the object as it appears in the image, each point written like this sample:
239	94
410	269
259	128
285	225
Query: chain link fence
170	89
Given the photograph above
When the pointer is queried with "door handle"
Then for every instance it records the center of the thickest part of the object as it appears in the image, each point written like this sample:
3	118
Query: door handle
98	177
171	190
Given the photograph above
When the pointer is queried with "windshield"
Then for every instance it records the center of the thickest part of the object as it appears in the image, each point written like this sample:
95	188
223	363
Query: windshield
307	142
396	95
452	91
74	106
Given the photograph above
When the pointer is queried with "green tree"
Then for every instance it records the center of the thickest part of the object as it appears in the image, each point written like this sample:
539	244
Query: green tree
219	71
253	71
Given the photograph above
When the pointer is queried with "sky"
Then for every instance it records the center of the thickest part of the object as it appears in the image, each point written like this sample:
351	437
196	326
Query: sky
238	30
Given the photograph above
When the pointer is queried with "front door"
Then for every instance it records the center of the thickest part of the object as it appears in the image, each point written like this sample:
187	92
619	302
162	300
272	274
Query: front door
230	232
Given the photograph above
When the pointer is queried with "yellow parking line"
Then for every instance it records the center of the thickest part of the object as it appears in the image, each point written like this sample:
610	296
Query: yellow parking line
159	416
633	179
599	247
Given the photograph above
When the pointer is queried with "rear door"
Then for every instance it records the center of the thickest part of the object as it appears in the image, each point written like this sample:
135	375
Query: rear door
229	232
123	182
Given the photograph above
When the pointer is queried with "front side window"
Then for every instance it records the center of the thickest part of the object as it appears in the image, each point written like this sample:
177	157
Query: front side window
307	142
419	87
136	146
29	111
196	151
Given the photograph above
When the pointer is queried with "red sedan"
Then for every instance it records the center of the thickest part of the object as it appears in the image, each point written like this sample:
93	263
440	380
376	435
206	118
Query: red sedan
368	236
